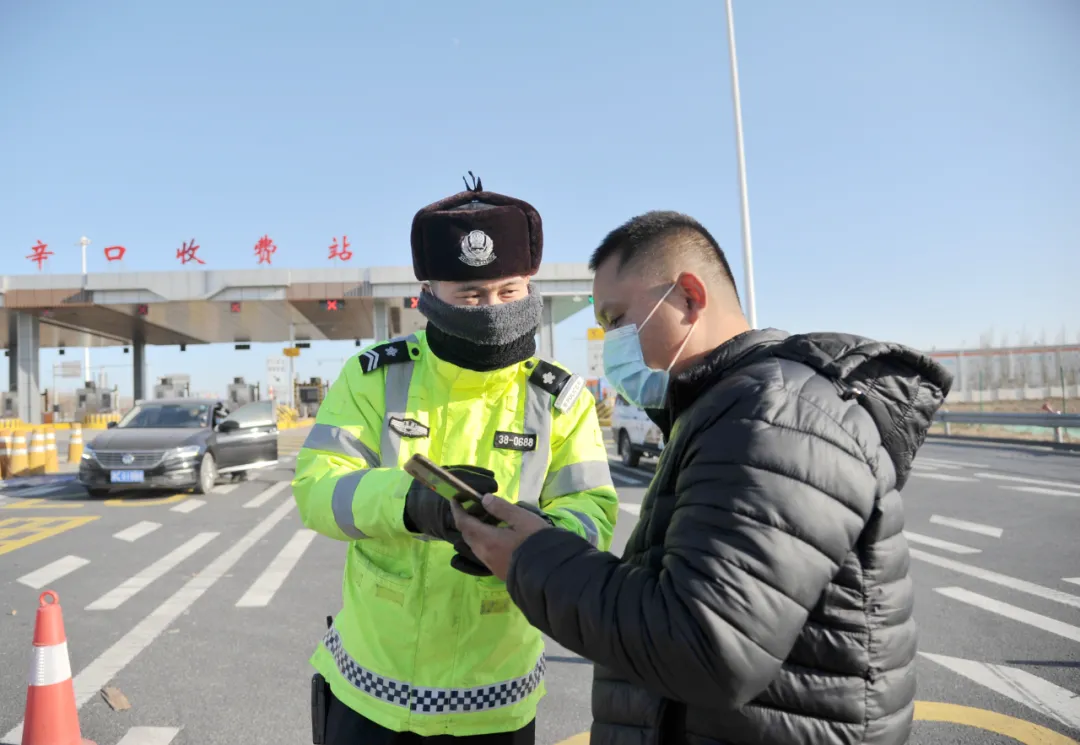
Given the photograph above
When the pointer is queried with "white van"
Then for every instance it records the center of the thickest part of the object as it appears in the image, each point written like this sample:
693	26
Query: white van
634	433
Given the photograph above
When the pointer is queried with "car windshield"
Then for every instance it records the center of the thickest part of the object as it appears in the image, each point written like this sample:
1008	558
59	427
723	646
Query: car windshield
166	416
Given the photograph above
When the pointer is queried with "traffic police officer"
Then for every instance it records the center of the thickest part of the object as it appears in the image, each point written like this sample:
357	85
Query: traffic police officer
427	641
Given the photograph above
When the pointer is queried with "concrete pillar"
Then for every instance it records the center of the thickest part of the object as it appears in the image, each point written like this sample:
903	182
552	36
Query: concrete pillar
138	359
13	355
25	380
547	329
381	320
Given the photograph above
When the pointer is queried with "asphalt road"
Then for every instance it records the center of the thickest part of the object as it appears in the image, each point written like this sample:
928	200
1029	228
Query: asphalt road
203	611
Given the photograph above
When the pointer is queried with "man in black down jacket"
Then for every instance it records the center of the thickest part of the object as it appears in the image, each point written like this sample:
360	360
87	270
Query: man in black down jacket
764	595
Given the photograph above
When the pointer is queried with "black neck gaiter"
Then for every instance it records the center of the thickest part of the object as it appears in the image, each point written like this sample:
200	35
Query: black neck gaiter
482	337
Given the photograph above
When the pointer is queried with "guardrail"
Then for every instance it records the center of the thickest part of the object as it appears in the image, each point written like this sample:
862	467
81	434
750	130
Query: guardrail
1057	422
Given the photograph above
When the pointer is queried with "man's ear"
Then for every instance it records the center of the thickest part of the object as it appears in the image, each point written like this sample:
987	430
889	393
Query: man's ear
695	296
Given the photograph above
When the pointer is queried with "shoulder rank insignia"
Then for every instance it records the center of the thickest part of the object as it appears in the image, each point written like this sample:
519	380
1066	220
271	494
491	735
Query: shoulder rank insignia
388	353
563	385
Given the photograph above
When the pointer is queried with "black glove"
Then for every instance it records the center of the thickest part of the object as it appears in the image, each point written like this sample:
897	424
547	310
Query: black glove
428	513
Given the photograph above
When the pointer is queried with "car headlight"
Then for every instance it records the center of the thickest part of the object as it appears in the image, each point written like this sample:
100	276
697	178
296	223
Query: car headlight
188	451
88	453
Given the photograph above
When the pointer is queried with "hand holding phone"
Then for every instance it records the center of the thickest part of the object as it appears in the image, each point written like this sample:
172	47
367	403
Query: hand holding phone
450	485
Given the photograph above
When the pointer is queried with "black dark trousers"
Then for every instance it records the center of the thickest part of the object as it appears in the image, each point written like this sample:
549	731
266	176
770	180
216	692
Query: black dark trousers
345	727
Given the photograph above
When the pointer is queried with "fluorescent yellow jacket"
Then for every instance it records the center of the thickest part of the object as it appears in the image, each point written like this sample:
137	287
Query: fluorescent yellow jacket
419	646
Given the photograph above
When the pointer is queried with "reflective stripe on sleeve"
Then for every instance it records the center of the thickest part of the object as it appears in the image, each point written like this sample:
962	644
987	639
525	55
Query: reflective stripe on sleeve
592	535
535	462
577	477
398	377
338	441
341	503
432	700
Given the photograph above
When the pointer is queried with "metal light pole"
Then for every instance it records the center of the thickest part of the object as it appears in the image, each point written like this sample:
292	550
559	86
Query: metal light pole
748	257
84	242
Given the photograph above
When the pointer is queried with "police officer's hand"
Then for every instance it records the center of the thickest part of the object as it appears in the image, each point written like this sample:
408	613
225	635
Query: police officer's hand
428	513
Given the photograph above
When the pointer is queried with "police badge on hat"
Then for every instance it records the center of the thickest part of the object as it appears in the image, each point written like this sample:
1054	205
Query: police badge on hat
477	248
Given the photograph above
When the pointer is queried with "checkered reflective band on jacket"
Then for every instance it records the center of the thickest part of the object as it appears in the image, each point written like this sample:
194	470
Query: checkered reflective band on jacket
432	700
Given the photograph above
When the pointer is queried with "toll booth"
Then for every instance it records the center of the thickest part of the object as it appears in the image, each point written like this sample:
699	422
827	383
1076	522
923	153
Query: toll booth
173	386
241	393
95	400
309	396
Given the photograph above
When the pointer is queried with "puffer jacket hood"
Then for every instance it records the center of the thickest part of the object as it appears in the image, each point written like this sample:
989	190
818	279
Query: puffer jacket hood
901	389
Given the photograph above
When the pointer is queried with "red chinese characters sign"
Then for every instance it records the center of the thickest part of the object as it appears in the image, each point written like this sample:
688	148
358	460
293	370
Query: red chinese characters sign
264	249
189	252
341	252
41	254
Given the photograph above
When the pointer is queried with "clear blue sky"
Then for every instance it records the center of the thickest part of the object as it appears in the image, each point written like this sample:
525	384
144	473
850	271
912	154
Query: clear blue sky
913	166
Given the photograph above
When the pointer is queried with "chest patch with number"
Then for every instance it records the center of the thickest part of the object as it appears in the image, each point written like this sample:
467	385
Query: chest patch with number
515	441
408	427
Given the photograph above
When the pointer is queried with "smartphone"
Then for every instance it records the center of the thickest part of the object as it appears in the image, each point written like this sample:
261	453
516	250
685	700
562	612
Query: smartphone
443	483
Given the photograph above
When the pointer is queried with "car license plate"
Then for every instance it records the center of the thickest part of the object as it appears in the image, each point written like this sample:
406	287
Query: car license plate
126	477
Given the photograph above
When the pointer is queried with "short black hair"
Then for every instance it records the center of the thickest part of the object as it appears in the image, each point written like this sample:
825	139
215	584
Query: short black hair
646	236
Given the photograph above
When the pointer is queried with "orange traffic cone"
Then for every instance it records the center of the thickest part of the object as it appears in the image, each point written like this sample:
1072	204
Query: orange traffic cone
52	718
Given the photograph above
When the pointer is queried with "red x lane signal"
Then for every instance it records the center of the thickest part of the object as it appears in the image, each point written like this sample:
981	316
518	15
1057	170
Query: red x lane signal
331	304
412	303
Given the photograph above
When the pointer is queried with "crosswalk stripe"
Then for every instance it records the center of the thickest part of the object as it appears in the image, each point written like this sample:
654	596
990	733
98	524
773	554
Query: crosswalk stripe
1016	613
121	593
1072	580
1026	480
943	462
52	572
941	476
267	495
633	509
1020	585
224	488
1019	685
1041	490
979	528
188	505
926	540
149	736
273	577
137	531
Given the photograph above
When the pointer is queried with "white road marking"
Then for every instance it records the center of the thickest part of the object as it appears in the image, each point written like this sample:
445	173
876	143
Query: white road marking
926	540
118	595
1019	685
925	468
267	495
52	572
942	476
943	462
188	505
270	581
626	474
137	531
149	736
633	509
114	659
224	488
979	528
1014	612
1041	490
1020	585
1026	480
1073	580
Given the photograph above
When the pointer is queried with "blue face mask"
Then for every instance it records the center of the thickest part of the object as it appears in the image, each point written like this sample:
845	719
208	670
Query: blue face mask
625	368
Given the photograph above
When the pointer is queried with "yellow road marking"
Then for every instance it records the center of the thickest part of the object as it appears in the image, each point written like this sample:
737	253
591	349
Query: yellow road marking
1021	730
18	532
128	502
41	504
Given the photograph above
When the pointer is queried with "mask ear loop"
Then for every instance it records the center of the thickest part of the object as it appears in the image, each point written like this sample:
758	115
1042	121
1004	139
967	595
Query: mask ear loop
682	346
656	307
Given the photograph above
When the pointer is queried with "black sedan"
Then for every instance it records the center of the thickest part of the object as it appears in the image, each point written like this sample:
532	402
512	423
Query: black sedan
179	444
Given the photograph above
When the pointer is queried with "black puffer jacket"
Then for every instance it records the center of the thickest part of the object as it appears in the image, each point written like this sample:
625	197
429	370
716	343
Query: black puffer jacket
764	595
